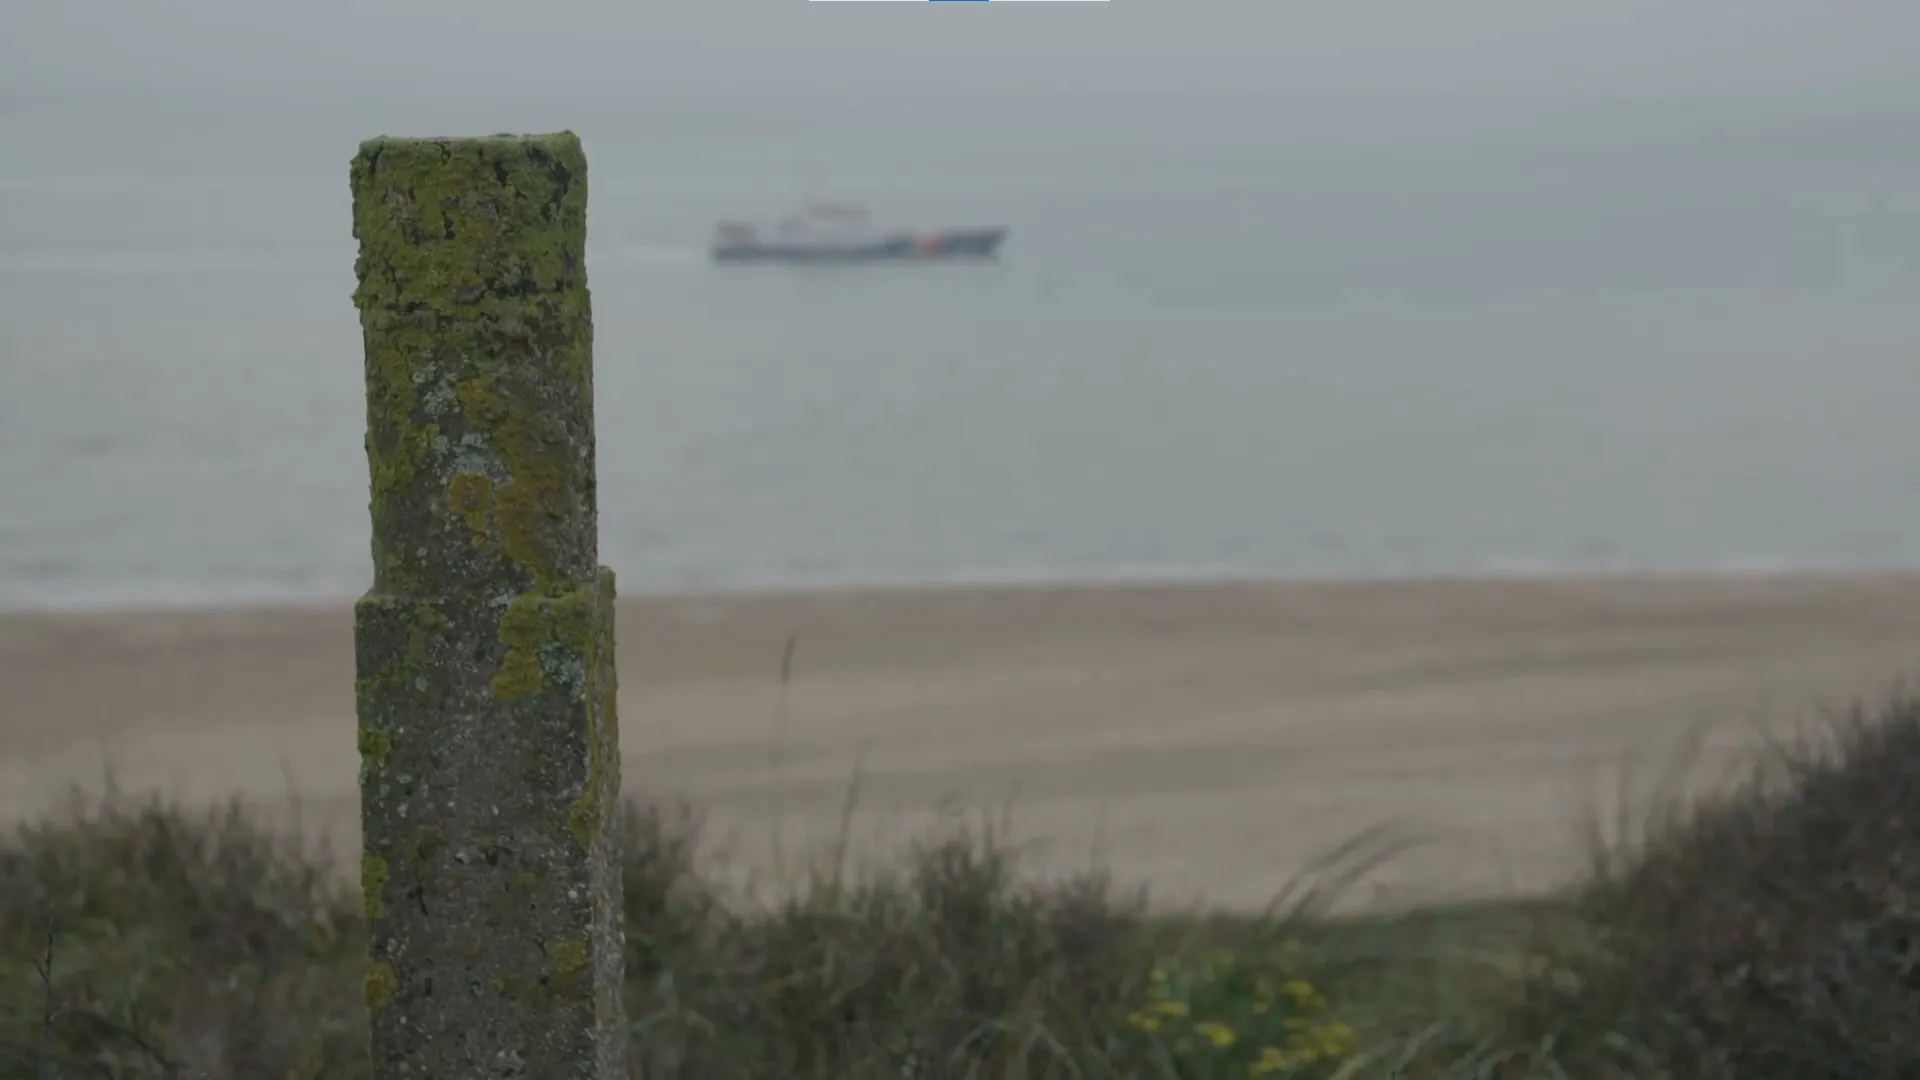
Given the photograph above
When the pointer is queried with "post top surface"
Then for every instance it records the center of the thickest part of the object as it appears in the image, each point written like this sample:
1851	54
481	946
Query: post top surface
552	140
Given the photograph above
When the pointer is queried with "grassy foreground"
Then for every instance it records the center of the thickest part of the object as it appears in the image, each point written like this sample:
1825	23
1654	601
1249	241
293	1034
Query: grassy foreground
1773	932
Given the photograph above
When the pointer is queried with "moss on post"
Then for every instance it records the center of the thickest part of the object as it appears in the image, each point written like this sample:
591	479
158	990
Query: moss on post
489	750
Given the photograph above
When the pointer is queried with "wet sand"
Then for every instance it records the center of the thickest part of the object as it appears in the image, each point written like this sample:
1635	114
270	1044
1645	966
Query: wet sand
1209	740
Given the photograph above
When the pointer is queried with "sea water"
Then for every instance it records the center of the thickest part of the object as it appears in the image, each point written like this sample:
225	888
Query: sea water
1214	352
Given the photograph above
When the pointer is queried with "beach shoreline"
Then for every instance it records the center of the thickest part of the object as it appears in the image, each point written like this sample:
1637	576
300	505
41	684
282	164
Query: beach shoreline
1208	738
267	601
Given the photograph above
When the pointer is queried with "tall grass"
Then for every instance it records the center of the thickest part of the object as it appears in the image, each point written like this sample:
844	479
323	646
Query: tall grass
1770	931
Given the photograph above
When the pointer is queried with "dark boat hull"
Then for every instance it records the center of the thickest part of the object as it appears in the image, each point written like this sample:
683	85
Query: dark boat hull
904	247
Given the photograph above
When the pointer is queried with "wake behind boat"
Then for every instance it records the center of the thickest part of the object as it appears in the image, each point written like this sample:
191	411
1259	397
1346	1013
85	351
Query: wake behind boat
826	234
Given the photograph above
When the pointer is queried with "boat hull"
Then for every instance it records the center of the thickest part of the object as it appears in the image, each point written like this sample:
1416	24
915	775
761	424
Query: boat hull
902	247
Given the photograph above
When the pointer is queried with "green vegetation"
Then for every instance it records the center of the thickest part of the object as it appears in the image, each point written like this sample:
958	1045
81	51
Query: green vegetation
1772	933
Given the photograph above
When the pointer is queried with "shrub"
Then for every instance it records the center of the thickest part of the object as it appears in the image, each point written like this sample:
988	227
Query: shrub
141	940
199	944
1772	931
952	967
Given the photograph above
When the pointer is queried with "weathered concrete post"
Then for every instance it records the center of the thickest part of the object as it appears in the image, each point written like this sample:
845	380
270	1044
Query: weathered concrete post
489	752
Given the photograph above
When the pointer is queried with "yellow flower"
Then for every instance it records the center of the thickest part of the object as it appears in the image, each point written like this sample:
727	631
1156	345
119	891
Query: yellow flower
1220	1035
1303	992
1335	1039
1158	974
1272	1060
1170	1008
1143	1021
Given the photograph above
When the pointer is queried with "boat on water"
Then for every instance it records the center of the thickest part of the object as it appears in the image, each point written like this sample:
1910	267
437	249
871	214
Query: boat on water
840	234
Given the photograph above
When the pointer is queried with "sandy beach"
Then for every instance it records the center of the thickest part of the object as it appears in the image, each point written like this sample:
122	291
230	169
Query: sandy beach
1210	740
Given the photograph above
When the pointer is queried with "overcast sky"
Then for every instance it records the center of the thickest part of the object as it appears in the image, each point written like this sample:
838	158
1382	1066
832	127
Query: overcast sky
1361	48
170	85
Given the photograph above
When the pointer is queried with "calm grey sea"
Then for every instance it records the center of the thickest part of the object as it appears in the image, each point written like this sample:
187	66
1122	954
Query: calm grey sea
1219	353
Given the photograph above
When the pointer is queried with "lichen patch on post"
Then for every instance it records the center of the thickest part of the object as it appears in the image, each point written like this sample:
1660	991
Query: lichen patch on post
484	687
377	984
374	745
589	813
470	495
547	641
373	884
